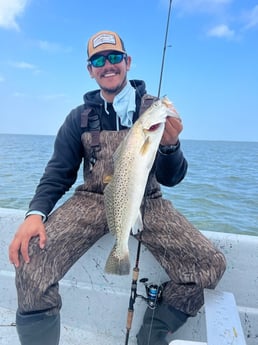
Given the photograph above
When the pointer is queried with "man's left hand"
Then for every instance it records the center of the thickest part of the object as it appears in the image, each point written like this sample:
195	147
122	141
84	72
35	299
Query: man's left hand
173	128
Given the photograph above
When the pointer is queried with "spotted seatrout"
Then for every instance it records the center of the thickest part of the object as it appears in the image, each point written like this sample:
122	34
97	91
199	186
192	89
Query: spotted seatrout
123	195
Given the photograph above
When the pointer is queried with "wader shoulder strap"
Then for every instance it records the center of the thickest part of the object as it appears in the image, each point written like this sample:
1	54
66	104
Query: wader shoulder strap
90	119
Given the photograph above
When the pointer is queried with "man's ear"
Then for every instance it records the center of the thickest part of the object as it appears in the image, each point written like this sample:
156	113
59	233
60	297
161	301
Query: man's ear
128	61
89	68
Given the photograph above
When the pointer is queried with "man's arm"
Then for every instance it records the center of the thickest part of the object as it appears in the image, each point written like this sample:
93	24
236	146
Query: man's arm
60	174
171	167
61	171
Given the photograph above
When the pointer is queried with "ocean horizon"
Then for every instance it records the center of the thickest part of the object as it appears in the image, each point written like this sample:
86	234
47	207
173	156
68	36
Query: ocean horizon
219	192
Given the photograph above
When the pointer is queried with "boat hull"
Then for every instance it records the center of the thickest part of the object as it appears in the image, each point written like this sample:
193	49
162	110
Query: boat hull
95	304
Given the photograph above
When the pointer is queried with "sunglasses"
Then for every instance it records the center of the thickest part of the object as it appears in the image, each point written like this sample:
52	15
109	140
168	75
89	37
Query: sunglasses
113	58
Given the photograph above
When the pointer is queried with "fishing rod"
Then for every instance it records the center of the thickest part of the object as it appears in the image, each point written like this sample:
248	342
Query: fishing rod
164	48
133	294
153	291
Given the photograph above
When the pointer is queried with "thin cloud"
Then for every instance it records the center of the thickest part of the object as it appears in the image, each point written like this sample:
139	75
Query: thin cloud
48	46
2	79
9	11
19	94
53	97
222	11
24	65
252	18
51	46
221	31
201	5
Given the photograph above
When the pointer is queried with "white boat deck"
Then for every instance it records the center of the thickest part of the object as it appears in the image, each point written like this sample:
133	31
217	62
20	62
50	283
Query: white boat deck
95	304
69	335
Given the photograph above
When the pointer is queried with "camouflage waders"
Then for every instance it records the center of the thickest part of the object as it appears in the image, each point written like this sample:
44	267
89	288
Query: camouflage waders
189	259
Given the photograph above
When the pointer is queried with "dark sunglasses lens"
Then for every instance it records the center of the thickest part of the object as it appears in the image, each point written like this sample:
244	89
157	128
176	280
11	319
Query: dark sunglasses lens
98	61
115	58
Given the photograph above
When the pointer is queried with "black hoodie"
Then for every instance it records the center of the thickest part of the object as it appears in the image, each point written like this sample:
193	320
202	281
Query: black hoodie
61	171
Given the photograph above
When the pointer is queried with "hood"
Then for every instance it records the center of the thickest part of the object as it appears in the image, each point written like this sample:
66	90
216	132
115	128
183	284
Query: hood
92	98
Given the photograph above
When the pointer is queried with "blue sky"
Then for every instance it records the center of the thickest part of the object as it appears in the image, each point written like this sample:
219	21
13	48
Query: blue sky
210	72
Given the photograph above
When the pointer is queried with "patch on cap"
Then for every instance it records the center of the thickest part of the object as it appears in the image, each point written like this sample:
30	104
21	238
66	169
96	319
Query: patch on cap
104	38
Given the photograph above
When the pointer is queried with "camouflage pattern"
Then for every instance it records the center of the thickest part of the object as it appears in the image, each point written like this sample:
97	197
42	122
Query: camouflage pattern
190	260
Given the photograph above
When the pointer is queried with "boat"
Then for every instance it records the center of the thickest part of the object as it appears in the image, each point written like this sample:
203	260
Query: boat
95	304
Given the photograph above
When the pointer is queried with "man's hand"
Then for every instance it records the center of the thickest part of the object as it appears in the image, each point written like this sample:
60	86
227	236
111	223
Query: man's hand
173	128
31	227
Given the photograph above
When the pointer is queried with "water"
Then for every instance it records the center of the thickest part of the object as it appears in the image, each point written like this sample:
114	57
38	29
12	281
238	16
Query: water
219	193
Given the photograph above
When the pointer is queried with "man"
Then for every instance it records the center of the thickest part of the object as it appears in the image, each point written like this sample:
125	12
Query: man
46	245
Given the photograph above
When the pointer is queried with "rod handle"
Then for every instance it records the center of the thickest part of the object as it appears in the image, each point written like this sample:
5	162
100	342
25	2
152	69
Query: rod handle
129	319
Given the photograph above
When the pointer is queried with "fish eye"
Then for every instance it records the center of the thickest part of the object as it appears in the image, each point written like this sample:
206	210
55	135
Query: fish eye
154	127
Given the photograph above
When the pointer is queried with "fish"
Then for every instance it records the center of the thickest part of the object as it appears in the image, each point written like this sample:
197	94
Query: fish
124	192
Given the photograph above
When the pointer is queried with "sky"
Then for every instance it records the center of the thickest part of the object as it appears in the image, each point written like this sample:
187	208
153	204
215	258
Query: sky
210	66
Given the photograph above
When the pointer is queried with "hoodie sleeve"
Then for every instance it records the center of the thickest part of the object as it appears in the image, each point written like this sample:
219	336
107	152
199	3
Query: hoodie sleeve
171	168
61	170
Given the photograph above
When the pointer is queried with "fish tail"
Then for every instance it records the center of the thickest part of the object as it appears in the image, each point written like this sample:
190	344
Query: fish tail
117	265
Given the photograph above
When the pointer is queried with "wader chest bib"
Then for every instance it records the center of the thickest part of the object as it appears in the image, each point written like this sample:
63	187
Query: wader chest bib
94	175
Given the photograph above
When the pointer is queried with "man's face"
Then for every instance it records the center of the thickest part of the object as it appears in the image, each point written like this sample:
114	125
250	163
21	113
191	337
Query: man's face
111	78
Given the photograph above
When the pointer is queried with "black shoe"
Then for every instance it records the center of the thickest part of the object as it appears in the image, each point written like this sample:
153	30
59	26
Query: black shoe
158	322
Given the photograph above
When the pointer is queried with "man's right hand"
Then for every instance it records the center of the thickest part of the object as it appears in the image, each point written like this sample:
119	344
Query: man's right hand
31	227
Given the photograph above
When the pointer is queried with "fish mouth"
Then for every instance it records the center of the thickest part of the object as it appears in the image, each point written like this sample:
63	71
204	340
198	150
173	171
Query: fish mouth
166	102
171	111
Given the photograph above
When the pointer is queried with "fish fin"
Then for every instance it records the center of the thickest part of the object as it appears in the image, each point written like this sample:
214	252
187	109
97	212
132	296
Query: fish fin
118	151
109	208
107	179
145	146
138	225
117	265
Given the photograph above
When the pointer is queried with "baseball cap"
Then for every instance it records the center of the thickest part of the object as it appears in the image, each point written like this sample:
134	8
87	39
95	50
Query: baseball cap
104	40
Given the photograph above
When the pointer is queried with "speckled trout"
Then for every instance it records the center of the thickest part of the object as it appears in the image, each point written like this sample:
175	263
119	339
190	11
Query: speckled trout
124	192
